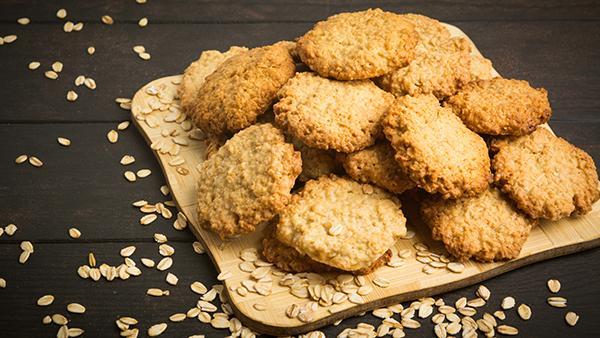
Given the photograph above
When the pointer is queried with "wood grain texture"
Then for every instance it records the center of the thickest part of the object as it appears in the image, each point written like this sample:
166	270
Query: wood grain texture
554	55
550	239
209	11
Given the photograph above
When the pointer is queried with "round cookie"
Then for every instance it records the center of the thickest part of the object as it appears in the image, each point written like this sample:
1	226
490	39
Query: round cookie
197	71
359	45
545	175
289	259
377	165
485	227
441	72
315	162
328	114
501	106
238	189
242	88
329	218
435	148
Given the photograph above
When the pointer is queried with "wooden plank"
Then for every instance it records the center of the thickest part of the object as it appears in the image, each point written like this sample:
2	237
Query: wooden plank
82	185
550	239
555	55
288	10
52	270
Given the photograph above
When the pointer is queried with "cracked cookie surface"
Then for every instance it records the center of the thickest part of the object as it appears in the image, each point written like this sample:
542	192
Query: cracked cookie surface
501	106
377	165
331	115
238	189
329	218
485	227
241	89
435	149
545	175
359	45
195	74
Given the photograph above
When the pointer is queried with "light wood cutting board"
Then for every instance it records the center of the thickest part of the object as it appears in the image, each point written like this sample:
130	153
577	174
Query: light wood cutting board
550	239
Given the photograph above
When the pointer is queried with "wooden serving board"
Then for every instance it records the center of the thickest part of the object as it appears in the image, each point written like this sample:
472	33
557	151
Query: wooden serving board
408	282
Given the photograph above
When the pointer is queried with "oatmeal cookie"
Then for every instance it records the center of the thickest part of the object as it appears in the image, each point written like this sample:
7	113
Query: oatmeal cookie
545	175
289	259
441	72
501	106
197	71
316	162
329	218
435	148
359	45
485	227
328	114
242	88
431	33
376	165
247	181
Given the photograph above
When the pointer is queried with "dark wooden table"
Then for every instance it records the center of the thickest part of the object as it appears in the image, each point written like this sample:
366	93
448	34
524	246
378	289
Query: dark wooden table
554	44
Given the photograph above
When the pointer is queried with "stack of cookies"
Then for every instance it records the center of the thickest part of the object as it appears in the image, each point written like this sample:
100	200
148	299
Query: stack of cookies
317	138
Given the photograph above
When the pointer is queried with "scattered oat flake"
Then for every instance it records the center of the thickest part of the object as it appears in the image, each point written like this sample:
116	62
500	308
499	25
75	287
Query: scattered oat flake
107	20
10	39
61	13
23	21
36	162
157	329
123	125
10	229
21	159
91	50
112	136
127	160
72	96
553	285
57	66
75	308
572	318
224	275
147	219
143	173
2	283
50	74
144	56
130	176
45	300
63	141
143	22
524	311
33	65
74	233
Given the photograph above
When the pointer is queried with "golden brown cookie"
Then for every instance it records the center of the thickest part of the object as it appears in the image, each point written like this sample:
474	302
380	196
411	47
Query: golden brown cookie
197	71
289	259
441	72
501	106
481	68
242	88
328	114
545	175
486	227
359	45
316	162
430	32
435	148
329	218
247	181
377	165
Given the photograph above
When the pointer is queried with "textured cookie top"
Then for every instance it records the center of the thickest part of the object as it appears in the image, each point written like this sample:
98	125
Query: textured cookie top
328	114
545	175
329	219
435	148
359	45
247	181
377	165
501	106
197	71
242	88
441	71
430	32
316	162
485	227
